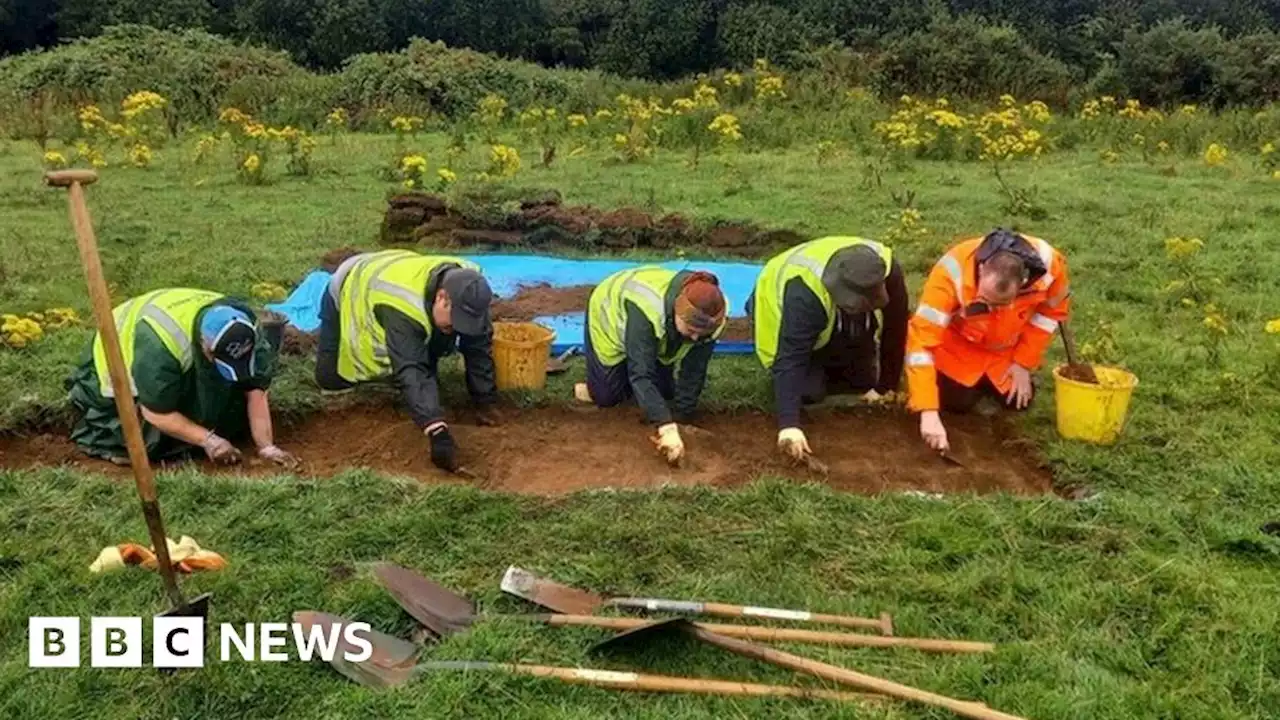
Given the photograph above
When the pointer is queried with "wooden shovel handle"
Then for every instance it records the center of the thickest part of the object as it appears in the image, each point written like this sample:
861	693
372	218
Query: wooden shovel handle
835	673
884	624
665	683
768	634
120	383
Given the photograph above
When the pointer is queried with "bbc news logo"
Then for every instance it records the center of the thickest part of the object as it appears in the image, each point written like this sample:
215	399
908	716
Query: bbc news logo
179	642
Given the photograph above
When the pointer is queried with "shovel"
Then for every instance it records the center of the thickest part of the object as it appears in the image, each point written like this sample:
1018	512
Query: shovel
564	599
1076	370
652	632
144	478
444	612
392	664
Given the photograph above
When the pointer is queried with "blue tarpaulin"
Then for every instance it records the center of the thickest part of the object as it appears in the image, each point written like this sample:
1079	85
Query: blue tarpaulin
506	273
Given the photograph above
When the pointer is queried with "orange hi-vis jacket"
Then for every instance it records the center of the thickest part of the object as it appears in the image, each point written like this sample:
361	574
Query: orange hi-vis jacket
941	338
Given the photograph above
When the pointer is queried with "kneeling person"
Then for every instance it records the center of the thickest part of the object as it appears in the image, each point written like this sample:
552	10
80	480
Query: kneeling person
988	312
641	325
200	367
815	315
394	315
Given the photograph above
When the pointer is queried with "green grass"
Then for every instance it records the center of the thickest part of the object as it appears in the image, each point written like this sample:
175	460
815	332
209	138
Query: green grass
1156	599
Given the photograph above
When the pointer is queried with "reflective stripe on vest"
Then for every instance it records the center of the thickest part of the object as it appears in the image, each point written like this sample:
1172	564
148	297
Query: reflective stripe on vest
170	313
807	262
646	287
396	278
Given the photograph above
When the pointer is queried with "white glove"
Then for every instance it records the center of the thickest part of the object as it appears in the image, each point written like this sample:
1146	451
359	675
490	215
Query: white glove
932	431
279	457
669	443
219	449
793	442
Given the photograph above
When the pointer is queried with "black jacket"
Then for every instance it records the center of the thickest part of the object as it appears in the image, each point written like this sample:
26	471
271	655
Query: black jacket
641	344
414	360
804	318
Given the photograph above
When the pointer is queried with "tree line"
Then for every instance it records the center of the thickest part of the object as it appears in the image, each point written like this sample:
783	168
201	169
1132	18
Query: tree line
1198	49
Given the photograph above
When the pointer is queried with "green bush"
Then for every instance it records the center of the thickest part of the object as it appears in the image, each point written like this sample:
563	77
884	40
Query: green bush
967	58
191	68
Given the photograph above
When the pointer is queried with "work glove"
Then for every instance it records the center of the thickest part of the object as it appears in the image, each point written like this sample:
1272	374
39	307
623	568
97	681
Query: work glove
669	443
488	416
933	432
793	443
444	453
280	457
220	450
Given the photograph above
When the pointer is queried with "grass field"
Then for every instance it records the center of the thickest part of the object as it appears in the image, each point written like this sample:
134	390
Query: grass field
1158	598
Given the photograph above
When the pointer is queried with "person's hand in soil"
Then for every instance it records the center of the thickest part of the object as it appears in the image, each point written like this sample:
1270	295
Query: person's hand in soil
793	443
488	416
220	450
669	443
1020	392
444	452
931	429
283	458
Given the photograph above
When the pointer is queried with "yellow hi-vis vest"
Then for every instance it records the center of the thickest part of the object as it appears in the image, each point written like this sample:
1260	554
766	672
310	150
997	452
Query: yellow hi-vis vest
647	288
807	262
171	313
397	278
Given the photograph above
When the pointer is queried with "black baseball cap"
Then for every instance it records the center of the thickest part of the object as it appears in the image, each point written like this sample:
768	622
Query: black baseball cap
471	296
855	279
231	338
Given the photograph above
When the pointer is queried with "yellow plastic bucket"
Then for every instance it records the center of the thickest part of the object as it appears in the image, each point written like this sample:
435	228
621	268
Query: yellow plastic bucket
1093	413
520	354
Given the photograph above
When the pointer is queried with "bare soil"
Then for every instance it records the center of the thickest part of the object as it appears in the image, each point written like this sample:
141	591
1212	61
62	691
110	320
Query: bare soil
739	329
1080	372
541	300
552	451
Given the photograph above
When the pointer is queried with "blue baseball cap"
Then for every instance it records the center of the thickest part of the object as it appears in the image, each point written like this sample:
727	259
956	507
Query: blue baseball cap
229	335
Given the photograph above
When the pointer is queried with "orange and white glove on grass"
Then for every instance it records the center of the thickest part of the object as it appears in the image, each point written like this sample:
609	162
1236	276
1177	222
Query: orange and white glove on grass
187	556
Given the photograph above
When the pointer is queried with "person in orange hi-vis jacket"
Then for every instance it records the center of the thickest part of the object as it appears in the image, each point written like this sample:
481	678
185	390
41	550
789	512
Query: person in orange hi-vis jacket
988	312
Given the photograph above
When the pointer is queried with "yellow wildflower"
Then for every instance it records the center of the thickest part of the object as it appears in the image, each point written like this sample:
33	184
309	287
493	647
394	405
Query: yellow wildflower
683	106
1273	327
447	176
1162	146
769	86
1110	156
1268	149
413	163
140	155
704	96
1189	109
1008	101
576	120
732	79
603	114
620	139
233	116
337	118
54	159
1178	249
1215	155
252	163
726	126
504	161
269	292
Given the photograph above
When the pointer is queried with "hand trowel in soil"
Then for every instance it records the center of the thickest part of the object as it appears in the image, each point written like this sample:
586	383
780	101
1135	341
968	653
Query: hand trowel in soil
564	599
1075	370
393	663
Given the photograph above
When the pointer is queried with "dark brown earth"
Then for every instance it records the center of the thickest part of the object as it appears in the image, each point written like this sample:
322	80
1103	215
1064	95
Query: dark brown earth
1080	372
739	329
560	450
541	300
544	222
296	342
330	261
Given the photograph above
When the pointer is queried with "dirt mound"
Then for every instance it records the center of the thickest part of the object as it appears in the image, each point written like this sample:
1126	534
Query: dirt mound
540	219
868	452
330	261
542	300
296	342
739	330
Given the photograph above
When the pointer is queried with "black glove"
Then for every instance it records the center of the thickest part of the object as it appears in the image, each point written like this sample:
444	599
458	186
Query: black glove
444	453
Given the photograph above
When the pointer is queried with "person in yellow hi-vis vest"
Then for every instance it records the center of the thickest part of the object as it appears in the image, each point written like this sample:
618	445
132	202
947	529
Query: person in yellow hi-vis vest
650	335
200	365
814	312
393	315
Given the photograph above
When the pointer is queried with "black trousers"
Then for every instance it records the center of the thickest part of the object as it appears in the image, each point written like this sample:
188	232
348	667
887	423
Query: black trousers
957	398
327	376
611	386
849	364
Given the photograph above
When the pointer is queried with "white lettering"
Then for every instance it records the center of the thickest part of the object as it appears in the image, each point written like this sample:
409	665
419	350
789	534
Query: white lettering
272	635
243	644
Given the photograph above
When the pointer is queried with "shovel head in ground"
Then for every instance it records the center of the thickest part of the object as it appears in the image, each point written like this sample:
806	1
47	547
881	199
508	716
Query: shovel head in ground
436	607
390	665
551	595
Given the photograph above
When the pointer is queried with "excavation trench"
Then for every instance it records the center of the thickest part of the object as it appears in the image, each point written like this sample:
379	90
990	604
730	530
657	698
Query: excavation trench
550	451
